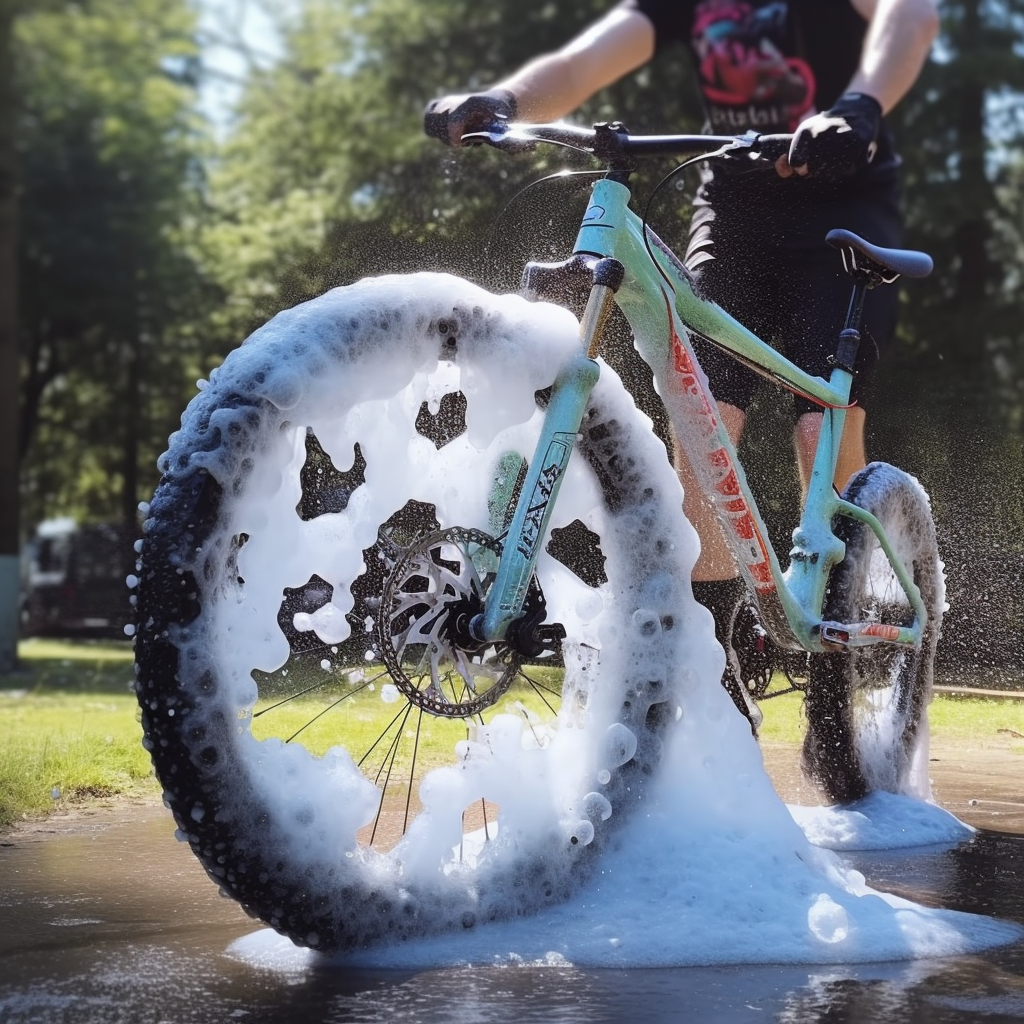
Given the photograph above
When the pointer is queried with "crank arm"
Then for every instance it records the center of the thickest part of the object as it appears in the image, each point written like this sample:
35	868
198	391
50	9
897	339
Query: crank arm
837	636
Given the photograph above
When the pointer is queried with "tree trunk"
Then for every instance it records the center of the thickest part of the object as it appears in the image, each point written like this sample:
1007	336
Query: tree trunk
132	426
10	580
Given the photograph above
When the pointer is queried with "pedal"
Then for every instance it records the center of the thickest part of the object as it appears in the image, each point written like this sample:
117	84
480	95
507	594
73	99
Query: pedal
834	637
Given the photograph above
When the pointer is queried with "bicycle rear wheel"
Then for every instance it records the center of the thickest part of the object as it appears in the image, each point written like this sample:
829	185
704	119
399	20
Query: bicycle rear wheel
867	724
339	759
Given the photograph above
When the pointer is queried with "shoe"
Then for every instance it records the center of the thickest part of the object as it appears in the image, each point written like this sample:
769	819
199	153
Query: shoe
726	600
750	650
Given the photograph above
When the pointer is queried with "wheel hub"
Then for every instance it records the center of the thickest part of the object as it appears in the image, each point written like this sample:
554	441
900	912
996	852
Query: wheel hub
438	583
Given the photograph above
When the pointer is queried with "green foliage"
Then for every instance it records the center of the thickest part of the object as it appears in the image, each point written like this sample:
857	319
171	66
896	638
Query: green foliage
108	151
328	177
962	151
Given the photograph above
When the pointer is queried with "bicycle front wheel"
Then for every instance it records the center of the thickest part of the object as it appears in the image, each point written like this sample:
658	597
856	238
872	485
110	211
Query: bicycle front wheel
867	722
341	755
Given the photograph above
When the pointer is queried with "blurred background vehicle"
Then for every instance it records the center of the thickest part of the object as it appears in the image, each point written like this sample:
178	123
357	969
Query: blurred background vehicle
74	579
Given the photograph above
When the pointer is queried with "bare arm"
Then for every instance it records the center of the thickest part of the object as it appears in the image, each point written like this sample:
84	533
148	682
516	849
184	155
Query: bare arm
554	84
549	86
900	34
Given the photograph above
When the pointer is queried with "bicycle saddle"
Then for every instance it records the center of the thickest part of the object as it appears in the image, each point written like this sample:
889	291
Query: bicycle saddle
880	265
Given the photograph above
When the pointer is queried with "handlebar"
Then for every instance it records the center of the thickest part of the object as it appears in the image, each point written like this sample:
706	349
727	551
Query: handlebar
613	144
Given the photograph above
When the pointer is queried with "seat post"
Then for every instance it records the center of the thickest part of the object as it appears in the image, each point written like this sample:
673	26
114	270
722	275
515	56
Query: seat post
849	336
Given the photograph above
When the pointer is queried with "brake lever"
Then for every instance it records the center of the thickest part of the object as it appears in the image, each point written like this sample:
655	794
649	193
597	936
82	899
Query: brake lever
502	136
757	149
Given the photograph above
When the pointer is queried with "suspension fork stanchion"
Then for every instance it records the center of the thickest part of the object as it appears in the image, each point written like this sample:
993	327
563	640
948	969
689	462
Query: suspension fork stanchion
569	396
608	275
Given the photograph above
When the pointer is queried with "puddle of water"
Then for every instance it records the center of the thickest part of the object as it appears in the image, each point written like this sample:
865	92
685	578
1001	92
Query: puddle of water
117	923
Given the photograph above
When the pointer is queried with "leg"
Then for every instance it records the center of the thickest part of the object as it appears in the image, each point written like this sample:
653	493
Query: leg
852	455
715	561
716	584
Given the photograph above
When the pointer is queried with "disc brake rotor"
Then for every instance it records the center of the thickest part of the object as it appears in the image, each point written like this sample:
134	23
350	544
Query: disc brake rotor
437	585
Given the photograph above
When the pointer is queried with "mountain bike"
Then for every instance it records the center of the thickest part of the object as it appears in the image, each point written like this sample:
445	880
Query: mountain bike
425	529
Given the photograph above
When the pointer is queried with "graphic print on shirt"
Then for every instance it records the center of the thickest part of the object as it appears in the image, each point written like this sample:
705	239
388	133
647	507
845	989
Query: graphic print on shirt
749	71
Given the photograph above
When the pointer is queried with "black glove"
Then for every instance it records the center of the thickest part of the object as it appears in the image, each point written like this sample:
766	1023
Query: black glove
448	118
841	141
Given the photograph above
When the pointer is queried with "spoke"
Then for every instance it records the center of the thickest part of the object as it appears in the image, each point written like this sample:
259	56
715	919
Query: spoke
526	719
464	672
317	686
462	837
459	686
412	770
387	728
540	689
318	715
389	760
298	693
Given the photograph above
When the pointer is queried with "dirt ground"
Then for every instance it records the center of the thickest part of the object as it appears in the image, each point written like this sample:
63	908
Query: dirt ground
983	785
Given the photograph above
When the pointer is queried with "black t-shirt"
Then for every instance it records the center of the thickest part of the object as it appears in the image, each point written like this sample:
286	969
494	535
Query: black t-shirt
762	64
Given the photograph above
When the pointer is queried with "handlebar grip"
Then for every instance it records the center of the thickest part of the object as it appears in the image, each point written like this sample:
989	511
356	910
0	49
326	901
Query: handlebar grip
467	113
771	147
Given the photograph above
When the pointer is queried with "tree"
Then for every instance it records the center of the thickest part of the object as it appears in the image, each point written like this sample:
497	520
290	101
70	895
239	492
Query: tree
328	178
953	408
109	293
961	143
10	582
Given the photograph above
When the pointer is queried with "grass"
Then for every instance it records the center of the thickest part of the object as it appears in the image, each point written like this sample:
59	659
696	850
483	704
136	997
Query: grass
962	719
368	720
69	727
978	721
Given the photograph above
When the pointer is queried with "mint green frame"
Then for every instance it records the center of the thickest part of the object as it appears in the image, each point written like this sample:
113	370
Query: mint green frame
662	307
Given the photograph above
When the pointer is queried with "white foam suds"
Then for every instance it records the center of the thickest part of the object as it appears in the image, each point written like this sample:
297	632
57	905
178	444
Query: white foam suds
881	821
720	877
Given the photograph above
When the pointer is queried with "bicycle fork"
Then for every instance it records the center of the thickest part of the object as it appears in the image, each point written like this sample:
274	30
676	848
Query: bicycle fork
569	396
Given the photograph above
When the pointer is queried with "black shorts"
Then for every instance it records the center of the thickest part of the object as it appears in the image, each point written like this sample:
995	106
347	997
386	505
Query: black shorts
757	248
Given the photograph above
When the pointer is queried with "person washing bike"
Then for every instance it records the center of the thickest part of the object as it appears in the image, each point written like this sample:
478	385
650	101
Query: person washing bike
826	70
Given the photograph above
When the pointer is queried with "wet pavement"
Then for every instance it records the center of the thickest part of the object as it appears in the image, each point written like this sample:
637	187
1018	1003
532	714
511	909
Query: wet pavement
107	919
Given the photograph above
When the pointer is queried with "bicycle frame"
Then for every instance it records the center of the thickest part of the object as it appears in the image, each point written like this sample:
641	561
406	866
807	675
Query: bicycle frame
662	308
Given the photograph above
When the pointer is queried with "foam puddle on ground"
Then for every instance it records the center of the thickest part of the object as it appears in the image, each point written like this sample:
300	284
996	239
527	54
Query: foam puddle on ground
881	821
688	885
